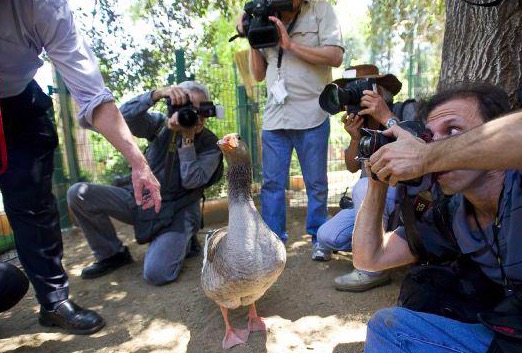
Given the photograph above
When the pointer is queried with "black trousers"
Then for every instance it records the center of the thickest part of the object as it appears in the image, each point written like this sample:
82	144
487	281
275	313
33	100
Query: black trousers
27	191
13	285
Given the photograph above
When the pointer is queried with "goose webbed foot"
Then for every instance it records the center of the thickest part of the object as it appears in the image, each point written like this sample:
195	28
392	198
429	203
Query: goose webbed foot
232	336
255	323
235	336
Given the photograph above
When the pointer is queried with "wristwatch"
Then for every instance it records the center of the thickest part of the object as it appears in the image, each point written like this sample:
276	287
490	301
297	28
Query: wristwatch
187	141
391	121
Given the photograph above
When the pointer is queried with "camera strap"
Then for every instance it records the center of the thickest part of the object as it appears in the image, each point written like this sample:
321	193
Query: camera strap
173	147
288	30
413	236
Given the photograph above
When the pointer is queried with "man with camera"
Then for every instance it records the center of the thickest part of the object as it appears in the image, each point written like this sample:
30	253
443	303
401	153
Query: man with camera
296	70
466	295
184	156
372	110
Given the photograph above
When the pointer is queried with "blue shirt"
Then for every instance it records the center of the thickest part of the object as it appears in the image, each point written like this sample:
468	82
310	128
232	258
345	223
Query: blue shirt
509	233
30	26
481	250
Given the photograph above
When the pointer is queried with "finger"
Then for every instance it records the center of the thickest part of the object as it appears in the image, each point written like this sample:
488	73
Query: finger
393	181
138	189
368	92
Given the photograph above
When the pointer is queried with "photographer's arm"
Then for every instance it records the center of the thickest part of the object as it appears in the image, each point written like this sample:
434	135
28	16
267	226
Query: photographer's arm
494	145
373	250
257	65
352	164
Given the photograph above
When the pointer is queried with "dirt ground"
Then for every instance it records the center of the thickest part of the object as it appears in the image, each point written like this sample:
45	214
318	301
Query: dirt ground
303	312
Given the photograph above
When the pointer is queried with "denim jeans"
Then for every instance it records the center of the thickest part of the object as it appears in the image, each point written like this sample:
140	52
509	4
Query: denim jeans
394	330
311	146
336	233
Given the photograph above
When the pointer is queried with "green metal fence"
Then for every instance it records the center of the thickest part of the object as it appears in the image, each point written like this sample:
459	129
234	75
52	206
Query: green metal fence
84	155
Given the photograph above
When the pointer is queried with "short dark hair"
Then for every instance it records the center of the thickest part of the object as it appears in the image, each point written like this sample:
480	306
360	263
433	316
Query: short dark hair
492	101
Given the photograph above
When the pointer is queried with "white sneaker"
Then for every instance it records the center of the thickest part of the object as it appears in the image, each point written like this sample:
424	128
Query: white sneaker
320	254
359	281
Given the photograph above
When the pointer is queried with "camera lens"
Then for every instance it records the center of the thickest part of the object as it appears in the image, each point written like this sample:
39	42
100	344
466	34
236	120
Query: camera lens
329	99
187	117
371	141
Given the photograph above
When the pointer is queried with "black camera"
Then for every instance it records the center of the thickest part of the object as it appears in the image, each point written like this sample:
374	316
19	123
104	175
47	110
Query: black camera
334	97
372	140
346	201
260	31
188	114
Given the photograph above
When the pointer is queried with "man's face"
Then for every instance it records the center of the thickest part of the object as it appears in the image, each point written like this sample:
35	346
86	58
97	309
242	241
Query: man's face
449	119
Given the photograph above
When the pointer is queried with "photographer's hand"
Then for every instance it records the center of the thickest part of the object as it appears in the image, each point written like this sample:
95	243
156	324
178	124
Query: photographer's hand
177	95
375	106
285	41
352	124
404	159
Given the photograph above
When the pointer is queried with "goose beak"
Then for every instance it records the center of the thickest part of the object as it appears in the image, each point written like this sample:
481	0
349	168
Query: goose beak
229	142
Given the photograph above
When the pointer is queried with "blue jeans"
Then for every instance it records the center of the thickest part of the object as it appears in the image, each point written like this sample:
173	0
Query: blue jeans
336	233
311	146
401	330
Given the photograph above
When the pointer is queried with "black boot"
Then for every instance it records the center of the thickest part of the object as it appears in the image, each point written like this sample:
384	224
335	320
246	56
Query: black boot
72	318
105	266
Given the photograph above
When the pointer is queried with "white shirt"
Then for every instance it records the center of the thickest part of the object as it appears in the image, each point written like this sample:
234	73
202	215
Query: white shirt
30	26
316	26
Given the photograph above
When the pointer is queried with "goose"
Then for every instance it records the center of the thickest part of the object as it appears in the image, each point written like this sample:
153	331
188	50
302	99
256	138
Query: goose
243	260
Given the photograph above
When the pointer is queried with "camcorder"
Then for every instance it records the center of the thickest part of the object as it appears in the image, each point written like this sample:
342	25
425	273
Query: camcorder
260	31
335	98
372	140
188	114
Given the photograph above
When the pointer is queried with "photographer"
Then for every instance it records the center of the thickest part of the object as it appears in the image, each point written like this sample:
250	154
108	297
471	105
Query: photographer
470	249
184	158
374	113
296	70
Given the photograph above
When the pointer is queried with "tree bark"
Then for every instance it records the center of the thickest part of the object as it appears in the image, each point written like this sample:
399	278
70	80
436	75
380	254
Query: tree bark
483	44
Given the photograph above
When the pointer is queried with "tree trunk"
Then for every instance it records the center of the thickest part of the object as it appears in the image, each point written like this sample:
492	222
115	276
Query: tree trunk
483	44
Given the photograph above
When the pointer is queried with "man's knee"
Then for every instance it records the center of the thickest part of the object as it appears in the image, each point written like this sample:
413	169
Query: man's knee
76	194
158	275
389	319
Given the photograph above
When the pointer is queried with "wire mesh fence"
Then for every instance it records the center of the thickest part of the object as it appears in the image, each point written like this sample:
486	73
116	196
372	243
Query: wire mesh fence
84	155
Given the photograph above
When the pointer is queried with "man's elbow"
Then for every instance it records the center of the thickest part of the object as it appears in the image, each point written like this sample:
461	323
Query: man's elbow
258	76
337	58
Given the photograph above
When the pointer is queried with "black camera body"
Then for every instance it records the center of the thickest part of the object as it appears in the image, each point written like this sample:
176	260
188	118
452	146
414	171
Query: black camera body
334	97
260	31
188	114
372	140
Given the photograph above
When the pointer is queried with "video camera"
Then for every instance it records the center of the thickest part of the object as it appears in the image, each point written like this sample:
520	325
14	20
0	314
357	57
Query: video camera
260	31
188	114
334	98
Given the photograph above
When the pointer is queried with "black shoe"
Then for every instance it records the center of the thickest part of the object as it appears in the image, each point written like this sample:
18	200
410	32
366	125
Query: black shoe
72	318
103	267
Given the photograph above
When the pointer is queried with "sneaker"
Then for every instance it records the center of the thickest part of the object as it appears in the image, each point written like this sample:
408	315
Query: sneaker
106	266
321	254
360	281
